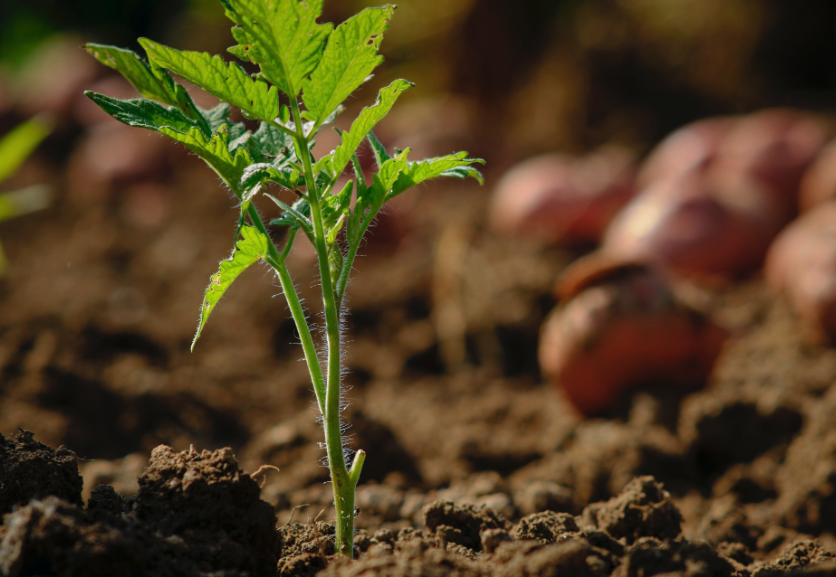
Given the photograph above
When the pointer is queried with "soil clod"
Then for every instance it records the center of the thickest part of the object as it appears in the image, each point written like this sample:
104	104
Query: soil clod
644	509
461	525
31	470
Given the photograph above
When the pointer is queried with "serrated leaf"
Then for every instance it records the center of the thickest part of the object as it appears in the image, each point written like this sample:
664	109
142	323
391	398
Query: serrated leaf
151	82
213	149
349	59
365	122
249	250
227	81
19	143
281	36
456	165
143	113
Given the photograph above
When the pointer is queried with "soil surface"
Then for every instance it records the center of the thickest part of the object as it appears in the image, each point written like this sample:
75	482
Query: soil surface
146	459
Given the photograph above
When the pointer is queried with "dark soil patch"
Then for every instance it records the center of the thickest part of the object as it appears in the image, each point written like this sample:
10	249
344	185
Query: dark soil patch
475	466
31	470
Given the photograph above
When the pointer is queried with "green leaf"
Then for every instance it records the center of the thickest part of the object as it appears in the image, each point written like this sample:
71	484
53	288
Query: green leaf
30	199
229	82
271	144
336	260
214	149
295	215
151	82
301	206
456	165
348	61
462	172
218	116
255	174
379	151
334	209
384	181
17	145
252	247
365	122
143	113
281	36
215	152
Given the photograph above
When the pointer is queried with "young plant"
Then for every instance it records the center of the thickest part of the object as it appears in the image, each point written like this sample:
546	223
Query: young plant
15	148
301	63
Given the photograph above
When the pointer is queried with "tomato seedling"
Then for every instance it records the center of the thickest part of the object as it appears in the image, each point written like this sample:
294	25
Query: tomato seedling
302	64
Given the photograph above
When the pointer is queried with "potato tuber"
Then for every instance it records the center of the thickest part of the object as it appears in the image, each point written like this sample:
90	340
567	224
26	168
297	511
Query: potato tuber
697	227
620	326
819	182
563	199
802	264
694	146
773	147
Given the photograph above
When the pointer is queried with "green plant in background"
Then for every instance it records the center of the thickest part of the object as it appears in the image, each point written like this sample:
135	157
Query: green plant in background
15	148
301	62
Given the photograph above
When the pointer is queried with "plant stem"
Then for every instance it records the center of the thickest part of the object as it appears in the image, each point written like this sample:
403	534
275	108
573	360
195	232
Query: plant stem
344	483
276	260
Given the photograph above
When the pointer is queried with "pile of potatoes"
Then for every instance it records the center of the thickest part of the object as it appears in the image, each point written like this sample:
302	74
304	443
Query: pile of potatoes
717	200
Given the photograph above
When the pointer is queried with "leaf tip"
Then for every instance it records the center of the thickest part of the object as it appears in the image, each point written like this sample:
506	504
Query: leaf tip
146	43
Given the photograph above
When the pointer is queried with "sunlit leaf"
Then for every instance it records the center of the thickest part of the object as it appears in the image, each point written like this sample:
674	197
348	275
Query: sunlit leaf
281	36
214	149
252	247
17	145
294	215
365	122
151	82
456	165
349	59
227	81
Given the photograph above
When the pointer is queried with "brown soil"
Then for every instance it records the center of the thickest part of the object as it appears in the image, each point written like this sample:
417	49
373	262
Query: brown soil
475	467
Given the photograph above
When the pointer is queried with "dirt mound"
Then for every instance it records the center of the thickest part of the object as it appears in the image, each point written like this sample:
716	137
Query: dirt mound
53	537
644	509
195	513
31	470
208	502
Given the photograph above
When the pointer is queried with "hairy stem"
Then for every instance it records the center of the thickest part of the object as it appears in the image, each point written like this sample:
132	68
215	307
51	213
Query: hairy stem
343	483
276	260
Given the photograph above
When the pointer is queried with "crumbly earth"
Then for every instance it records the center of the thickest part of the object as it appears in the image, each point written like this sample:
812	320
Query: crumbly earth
475	466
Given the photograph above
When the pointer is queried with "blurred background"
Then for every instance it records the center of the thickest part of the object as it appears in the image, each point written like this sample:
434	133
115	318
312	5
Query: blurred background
518	78
101	295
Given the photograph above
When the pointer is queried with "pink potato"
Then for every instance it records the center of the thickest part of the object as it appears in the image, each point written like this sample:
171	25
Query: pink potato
694	146
620	326
563	199
697	227
819	182
774	147
802	265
